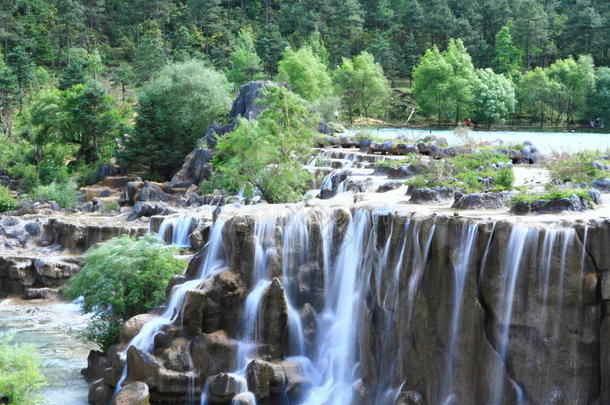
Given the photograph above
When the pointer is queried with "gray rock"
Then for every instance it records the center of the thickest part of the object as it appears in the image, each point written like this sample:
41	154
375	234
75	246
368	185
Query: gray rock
490	201
431	195
135	393
602	184
145	209
389	186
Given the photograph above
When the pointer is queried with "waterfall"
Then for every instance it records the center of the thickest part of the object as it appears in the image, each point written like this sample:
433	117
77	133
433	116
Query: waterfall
519	238
214	260
180	228
460	270
337	354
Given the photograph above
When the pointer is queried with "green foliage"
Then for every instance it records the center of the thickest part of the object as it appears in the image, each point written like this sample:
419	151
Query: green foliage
305	73
111	206
121	278
552	195
575	79
245	63
464	171
508	57
20	377
577	168
599	102
150	55
63	194
408	160
174	109
494	97
264	156
362	85
431	79
7	201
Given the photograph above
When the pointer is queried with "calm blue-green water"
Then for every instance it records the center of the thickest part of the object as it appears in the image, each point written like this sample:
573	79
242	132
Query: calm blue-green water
546	142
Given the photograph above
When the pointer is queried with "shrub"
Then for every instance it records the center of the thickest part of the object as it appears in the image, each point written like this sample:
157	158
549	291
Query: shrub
577	168
63	194
111	206
121	278
7	202
20	377
409	160
552	195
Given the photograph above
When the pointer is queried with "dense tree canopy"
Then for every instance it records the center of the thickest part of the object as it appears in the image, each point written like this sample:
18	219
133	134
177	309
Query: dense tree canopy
174	109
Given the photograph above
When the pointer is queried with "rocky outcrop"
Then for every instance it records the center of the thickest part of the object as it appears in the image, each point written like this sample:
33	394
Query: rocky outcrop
430	195
76	237
573	203
35	277
194	169
477	201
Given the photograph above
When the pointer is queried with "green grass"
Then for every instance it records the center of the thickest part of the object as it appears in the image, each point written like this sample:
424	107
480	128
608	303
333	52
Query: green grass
552	195
408	160
7	202
577	168
461	172
63	194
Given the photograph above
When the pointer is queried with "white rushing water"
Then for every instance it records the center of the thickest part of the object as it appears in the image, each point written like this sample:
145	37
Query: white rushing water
214	260
180	229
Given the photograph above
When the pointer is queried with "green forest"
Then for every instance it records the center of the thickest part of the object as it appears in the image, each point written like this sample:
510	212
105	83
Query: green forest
84	82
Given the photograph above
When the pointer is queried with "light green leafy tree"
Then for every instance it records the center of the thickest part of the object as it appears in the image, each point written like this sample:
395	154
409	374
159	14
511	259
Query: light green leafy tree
245	63
494	97
535	94
600	96
265	156
362	85
576	79
461	81
305	73
431	79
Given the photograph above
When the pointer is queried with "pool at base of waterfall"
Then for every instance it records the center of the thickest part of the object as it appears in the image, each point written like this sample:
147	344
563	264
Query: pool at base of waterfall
53	328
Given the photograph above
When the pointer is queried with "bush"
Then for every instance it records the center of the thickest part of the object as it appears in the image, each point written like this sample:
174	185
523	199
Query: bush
19	374
111	206
7	202
63	194
577	168
554	194
121	278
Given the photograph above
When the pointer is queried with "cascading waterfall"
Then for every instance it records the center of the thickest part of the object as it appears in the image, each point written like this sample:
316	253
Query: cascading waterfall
180	228
214	260
369	283
337	355
520	237
460	270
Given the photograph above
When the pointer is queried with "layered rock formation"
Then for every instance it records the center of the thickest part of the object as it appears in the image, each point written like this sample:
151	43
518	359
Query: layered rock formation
379	306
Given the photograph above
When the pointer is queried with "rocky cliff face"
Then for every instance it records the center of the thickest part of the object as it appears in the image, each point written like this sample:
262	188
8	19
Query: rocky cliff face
379	306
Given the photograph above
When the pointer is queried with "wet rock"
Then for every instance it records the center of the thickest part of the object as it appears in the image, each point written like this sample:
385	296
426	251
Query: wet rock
213	353
331	188
223	295
223	387
410	397
245	398
381	147
33	228
99	393
265	378
135	393
527	154
431	195
145	209
96	363
490	201
176	355
389	186
132	326
41	293
573	203
272	321
8	221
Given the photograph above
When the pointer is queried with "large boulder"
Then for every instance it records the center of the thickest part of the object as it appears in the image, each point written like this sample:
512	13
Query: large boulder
573	203
194	169
477	201
430	195
213	353
272	321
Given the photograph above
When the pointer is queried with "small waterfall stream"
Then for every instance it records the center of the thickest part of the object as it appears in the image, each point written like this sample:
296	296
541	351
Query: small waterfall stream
180	228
